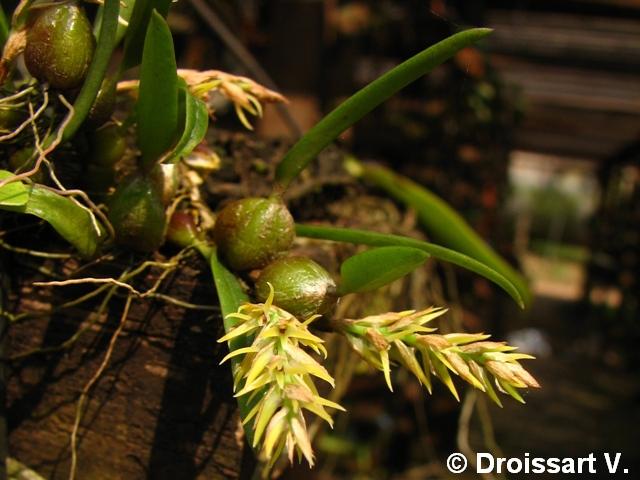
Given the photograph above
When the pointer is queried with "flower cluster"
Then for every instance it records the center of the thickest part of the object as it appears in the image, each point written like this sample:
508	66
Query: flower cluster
403	337
276	372
244	93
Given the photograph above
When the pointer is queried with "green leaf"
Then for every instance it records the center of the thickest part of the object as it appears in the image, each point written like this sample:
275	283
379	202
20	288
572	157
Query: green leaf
136	31
231	296
230	292
196	122
375	268
440	221
365	100
12	194
71	221
374	239
97	69
158	94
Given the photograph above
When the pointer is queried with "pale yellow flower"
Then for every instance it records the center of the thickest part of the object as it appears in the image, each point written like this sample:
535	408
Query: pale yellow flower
403	337
276	372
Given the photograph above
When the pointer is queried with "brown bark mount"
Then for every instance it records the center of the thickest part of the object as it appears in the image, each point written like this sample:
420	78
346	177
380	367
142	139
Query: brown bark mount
163	407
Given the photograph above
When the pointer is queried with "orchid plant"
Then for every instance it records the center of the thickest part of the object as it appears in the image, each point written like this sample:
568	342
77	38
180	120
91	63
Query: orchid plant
275	353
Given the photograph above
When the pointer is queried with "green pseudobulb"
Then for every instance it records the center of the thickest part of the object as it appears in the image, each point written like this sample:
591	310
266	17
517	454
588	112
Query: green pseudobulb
301	286
107	146
251	232
59	45
137	213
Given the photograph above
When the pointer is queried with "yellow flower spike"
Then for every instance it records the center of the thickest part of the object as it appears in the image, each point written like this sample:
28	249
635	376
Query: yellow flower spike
276	373
468	355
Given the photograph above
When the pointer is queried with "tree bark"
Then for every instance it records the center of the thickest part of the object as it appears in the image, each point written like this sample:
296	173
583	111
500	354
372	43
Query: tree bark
162	408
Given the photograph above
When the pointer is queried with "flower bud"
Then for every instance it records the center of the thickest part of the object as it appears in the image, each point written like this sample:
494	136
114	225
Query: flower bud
301	286
252	232
59	45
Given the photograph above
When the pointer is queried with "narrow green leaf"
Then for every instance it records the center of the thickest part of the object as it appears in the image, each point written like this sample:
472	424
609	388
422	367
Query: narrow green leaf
374	239
375	268
12	194
365	100
231	296
440	220
158	93
97	69
230	292
136	31
71	221
196	122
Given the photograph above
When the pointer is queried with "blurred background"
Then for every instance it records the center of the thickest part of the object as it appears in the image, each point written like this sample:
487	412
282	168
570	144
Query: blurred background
534	136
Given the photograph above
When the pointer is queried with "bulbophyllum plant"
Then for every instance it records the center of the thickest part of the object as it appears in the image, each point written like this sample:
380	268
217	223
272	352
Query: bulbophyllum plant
61	108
